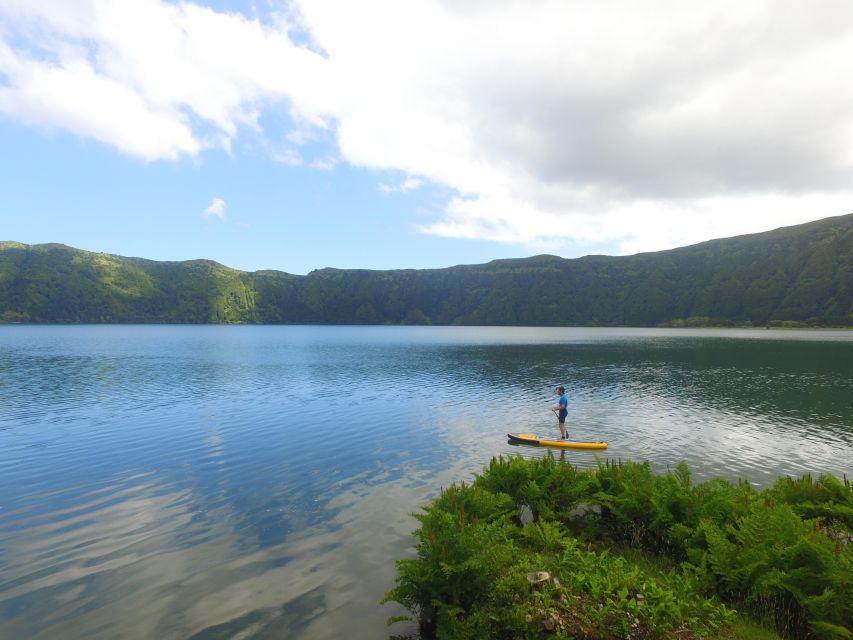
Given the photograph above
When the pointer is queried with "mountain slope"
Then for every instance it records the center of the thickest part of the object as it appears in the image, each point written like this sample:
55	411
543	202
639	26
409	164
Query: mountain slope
801	273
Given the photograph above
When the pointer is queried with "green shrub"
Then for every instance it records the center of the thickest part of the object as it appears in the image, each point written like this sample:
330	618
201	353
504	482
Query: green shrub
463	547
782	554
826	498
783	568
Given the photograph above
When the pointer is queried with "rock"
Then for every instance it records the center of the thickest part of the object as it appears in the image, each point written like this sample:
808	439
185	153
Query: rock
585	509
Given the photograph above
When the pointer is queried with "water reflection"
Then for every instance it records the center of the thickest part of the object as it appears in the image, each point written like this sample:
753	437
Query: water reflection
256	481
136	561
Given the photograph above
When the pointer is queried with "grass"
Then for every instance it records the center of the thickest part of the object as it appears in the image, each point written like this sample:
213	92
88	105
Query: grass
744	628
648	563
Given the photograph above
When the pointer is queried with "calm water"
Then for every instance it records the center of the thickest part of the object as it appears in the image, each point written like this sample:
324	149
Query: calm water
218	482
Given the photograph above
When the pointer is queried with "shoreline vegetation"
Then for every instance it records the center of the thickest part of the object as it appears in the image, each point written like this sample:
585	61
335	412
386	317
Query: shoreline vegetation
535	548
793	277
704	322
788	325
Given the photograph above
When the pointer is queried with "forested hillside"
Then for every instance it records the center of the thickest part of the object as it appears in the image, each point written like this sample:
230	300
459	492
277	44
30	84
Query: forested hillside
800	274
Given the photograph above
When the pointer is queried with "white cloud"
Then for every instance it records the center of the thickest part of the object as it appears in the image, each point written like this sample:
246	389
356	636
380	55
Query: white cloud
648	125
155	79
556	122
409	184
216	209
75	97
324	164
632	226
287	156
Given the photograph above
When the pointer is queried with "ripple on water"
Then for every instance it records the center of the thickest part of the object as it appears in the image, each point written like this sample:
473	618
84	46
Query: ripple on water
168	481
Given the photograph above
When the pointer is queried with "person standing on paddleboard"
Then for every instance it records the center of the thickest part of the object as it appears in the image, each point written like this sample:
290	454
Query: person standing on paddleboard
562	410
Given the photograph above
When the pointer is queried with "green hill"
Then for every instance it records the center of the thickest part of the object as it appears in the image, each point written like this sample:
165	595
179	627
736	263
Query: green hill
801	274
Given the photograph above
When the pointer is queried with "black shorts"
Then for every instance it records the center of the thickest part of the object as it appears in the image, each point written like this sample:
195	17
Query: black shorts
563	414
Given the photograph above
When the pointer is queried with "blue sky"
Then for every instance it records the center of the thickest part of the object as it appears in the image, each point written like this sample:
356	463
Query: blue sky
60	188
422	134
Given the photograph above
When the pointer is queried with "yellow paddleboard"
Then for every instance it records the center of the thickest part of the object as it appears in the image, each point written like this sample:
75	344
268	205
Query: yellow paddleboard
529	438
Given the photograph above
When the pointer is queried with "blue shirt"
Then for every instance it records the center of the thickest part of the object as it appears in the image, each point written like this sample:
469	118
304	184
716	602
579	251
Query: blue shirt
564	402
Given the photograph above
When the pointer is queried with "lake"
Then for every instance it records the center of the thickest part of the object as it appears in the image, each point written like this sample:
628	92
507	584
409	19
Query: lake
256	481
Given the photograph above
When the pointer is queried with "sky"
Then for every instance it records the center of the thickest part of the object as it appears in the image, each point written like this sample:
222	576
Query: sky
387	134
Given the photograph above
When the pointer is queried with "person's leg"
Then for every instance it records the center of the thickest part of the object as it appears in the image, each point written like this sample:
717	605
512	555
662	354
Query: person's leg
563	428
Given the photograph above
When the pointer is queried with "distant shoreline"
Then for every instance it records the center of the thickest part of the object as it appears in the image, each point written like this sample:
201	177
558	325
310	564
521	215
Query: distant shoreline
433	326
